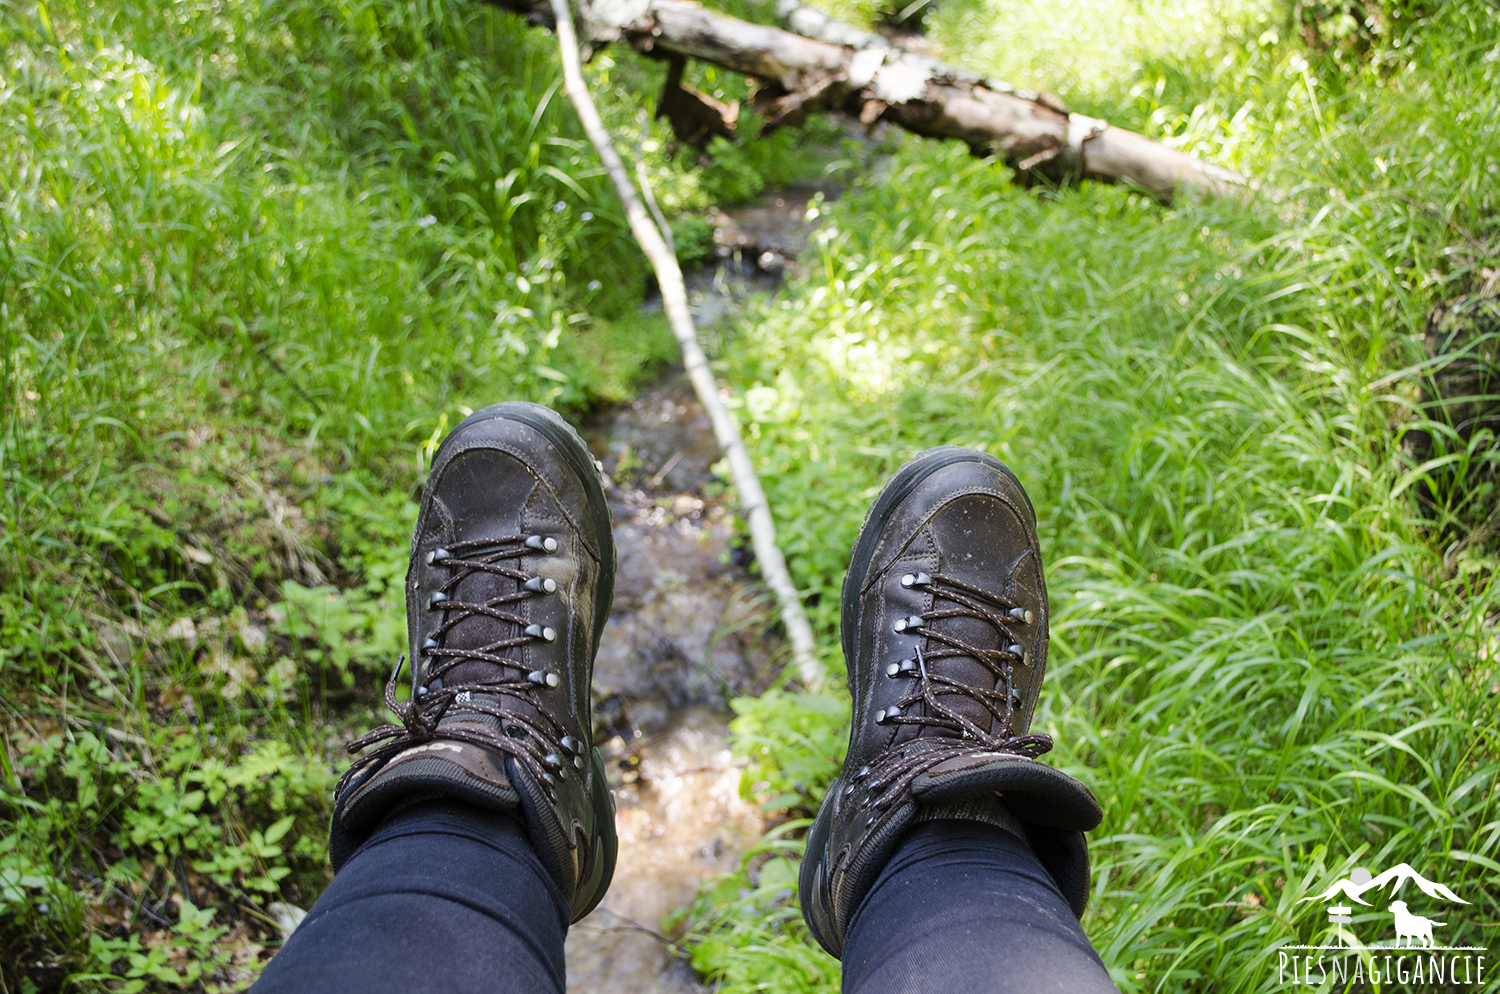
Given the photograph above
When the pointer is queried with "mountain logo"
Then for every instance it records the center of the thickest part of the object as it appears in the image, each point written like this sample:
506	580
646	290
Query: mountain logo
1416	956
1361	881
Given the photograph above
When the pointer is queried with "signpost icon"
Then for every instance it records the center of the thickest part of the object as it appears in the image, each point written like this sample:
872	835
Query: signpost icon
1340	915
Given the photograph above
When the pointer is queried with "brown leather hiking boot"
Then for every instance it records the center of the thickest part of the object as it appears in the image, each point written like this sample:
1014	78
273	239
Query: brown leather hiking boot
945	635
507	591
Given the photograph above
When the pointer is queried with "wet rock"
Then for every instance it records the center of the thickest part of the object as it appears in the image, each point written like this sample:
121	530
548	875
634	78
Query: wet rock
776	226
287	917
757	245
680	820
685	631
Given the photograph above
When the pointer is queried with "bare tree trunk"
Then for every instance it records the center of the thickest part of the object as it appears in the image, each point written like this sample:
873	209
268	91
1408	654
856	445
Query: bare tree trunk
852	71
653	241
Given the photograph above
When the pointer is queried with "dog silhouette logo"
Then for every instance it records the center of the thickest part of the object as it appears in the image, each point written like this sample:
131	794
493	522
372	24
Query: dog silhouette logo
1361	882
1416	958
1410	926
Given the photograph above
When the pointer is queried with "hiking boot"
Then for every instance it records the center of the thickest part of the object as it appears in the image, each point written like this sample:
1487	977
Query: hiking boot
507	591
945	635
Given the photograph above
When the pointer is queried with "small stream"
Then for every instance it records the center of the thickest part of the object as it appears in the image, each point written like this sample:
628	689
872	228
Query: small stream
688	631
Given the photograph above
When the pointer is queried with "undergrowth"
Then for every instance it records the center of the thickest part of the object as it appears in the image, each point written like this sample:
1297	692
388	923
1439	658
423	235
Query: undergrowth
1262	660
255	260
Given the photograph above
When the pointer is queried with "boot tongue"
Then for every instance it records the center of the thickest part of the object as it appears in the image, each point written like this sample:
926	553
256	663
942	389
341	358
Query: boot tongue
484	493
960	543
481	632
963	670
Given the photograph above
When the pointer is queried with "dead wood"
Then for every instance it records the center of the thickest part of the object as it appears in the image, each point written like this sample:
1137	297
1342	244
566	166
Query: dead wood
695	116
835	67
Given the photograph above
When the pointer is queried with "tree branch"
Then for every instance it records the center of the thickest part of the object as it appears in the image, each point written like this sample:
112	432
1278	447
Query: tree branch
652	239
851	71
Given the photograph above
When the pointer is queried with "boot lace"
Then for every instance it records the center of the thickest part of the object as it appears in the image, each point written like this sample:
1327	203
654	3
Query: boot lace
890	776
533	743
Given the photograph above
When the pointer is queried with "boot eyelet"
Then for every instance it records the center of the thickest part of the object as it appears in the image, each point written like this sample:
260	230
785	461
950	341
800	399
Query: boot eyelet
1017	650
438	556
540	585
570	745
915	580
905	667
910	622
422	692
542	678
850	789
542	543
438	597
578	763
1022	615
541	632
428	645
864	771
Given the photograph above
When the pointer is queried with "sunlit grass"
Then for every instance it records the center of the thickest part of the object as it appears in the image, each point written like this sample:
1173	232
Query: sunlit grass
254	258
251	259
1096	50
1261	660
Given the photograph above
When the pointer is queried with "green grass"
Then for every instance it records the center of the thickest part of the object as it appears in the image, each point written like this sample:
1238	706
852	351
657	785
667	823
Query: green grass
254	262
257	259
1261	661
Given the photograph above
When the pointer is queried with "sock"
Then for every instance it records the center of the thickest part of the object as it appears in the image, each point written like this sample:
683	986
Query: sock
988	809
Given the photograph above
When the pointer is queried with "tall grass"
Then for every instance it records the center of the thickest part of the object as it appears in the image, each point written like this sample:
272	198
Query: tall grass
1262	662
251	259
254	260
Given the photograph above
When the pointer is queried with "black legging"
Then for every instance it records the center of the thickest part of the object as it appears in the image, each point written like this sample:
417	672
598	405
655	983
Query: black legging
446	897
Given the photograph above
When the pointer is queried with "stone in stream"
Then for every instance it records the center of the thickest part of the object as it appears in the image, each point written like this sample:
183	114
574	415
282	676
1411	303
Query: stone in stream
659	445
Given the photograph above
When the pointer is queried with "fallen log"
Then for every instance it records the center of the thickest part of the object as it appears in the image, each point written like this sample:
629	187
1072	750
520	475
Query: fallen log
847	70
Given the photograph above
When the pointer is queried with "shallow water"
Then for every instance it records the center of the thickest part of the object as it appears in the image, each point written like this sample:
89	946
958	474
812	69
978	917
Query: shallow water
688	632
